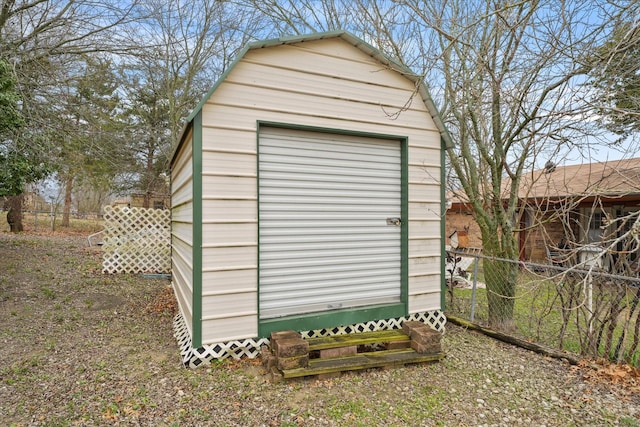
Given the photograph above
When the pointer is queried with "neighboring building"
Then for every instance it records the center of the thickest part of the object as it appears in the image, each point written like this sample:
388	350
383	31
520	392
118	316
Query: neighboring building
572	206
136	200
580	200
459	219
307	195
156	201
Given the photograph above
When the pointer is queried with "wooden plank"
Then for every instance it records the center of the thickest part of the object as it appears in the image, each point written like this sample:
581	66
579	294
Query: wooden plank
538	348
362	361
335	341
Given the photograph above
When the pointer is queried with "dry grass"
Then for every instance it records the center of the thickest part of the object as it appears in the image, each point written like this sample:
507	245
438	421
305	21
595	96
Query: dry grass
80	348
41	224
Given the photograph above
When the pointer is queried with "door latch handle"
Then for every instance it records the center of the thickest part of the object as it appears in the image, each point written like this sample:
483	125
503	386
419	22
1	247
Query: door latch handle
394	221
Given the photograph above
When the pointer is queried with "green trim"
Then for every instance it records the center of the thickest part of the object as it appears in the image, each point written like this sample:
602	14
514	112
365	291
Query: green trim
404	224
326	320
443	230
357	315
258	216
283	125
196	303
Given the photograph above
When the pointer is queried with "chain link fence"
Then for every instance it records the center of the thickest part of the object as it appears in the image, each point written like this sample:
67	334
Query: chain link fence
44	221
576	307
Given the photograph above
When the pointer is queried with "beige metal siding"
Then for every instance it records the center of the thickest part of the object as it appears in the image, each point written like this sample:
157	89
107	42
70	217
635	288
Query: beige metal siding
229	231
427	301
182	213
230	163
325	84
236	211
424	226
260	99
182	230
224	329
271	77
228	137
228	256
227	187
181	181
228	305
228	281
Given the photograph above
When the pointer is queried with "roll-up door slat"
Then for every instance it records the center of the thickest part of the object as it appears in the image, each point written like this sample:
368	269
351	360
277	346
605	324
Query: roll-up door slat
325	242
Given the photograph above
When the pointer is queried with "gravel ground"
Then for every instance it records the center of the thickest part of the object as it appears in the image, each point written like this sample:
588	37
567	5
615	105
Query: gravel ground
82	348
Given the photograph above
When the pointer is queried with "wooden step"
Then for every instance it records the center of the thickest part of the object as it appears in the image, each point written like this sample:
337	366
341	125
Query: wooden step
363	338
358	361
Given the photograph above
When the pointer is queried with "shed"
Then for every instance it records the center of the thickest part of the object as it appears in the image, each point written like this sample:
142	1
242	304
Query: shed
306	194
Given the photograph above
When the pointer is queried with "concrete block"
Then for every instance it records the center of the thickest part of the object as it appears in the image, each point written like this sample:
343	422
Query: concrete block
429	338
279	335
293	362
426	349
291	348
410	326
339	352
395	345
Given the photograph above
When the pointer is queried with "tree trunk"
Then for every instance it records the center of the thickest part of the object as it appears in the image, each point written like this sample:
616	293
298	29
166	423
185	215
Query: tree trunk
66	210
538	348
501	277
146	200
14	214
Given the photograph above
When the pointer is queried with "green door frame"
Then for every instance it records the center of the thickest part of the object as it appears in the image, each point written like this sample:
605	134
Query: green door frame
334	318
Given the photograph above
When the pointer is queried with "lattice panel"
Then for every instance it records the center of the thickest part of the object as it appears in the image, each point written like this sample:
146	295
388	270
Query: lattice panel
435	319
251	347
136	240
194	357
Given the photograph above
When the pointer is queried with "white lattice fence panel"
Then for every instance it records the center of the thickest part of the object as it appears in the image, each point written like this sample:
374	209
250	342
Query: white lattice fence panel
136	240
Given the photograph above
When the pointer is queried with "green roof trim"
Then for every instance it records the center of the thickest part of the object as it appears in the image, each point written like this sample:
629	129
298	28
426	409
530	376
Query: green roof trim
349	38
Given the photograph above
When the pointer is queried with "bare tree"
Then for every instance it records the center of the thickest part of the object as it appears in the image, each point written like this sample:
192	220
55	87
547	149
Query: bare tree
507	73
299	16
182	47
40	39
508	79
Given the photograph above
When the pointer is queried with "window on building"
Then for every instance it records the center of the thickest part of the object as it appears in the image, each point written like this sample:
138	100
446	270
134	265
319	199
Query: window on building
158	204
596	227
629	244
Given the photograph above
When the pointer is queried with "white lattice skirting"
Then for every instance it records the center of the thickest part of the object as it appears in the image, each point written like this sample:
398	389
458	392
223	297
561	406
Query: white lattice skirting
251	347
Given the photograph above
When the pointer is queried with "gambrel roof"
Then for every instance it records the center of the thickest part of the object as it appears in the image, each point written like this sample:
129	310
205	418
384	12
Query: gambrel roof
418	80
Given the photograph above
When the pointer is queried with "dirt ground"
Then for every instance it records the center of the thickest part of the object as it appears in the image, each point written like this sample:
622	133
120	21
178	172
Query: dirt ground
80	348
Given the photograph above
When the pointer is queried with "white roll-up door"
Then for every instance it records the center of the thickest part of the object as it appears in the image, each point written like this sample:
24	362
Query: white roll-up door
328	206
